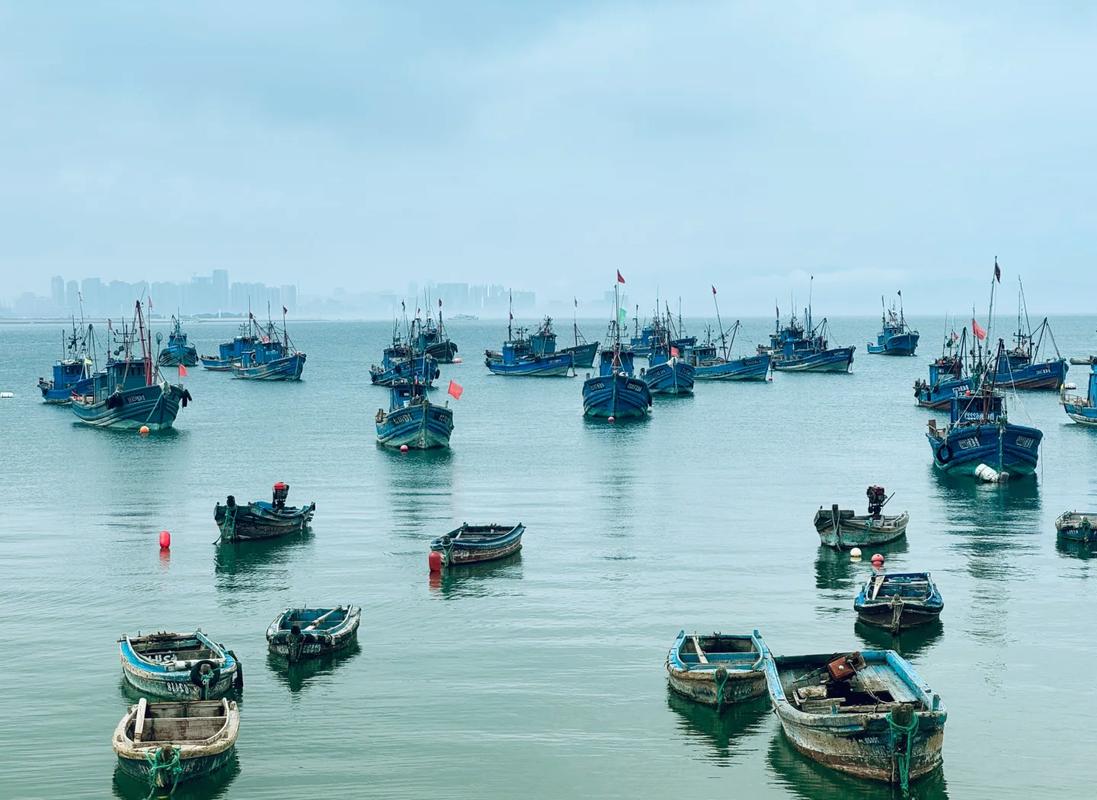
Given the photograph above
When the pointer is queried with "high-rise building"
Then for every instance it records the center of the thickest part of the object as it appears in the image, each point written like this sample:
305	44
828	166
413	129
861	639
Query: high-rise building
57	292
220	289
72	297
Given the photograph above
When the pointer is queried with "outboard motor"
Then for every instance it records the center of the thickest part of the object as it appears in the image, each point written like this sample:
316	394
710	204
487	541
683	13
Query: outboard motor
281	490
876	498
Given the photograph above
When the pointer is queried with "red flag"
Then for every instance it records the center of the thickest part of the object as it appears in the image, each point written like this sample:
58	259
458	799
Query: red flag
620	277
978	330
455	389
182	371
714	290
674	351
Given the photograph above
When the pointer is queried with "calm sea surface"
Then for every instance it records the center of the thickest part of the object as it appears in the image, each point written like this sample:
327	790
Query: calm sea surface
541	676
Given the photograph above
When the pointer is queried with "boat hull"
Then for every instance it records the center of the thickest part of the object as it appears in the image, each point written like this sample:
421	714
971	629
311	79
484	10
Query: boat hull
1077	527
743	676
456	552
214	364
618	396
898	616
419	369
670	377
1080	411
582	355
853	531
940	396
154	406
282	641
551	366
193	767
1007	448
902	344
751	368
278	369
839	359
422	426
182	682
1048	375
187	356
442	352
260	521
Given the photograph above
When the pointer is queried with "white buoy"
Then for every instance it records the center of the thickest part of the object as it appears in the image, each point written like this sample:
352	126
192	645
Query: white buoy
855	554
990	475
7	395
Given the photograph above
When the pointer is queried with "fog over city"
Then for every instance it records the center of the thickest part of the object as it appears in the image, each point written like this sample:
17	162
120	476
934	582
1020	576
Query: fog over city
348	156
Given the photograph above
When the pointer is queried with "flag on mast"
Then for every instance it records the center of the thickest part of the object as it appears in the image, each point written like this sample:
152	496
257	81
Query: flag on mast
997	270
979	331
182	371
455	389
620	277
714	290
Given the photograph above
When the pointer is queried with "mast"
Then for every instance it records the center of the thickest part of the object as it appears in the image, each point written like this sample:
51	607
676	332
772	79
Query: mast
617	324
883	315
146	348
811	286
575	319
720	325
510	315
285	333
902	318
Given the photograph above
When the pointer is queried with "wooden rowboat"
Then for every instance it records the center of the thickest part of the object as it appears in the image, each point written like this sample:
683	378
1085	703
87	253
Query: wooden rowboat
181	666
262	520
471	544
899	600
868	714
166	744
845	530
299	633
718	669
1081	527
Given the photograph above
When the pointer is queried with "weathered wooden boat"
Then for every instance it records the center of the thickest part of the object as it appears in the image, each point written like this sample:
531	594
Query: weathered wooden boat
896	337
182	666
412	420
947	376
1077	526
177	350
1083	361
74	371
299	633
471	544
803	348
844	529
980	434
868	714
1082	410
130	393
899	600
716	670
168	744
262	520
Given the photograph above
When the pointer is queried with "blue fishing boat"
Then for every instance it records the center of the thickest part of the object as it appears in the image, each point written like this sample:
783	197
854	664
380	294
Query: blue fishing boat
716	670
529	356
899	600
130	393
182	666
804	348
177	350
614	393
230	352
431	338
413	420
979	435
867	714
420	368
711	365
640	342
73	372
272	357
1082	410
667	371
471	544
1023	368
1079	527
299	633
947	376
164	745
543	343
896	337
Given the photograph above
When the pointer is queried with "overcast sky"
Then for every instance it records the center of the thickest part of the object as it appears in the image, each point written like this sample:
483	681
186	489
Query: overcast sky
545	145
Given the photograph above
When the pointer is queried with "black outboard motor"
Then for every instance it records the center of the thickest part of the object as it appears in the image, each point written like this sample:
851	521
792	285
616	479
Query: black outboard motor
281	490
877	496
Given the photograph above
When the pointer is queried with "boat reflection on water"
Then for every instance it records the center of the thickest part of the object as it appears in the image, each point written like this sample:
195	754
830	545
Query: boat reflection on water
729	734
1071	548
245	569
841	576
909	642
419	485
208	788
296	675
801	777
486	579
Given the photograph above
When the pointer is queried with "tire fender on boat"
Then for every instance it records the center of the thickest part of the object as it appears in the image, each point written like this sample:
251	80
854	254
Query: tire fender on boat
944	453
197	675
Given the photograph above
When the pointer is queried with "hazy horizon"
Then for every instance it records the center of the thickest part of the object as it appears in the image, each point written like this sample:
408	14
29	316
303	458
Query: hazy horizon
545	146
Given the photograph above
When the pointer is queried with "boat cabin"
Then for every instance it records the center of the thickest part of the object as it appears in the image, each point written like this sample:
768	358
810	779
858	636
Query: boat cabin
983	407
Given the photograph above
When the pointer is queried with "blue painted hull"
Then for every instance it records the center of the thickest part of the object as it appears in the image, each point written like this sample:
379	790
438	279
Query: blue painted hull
751	368
1006	448
618	396
279	369
163	680
551	366
145	405
940	396
174	356
418	370
1043	375
478	543
670	377
421	426
216	364
1081	413
903	344
838	359
582	354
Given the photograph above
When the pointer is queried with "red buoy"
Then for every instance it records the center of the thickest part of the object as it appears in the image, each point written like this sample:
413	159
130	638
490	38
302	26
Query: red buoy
403	448
611	419
877	558
165	540
434	561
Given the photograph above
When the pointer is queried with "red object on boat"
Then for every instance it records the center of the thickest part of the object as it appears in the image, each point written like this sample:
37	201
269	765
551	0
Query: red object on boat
165	540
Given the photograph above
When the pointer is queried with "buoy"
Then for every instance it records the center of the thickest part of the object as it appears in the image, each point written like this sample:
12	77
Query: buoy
7	395
877	558
165	540
434	561
403	448
855	554
143	430
612	419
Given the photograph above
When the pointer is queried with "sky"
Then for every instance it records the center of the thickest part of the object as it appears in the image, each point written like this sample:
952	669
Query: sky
877	146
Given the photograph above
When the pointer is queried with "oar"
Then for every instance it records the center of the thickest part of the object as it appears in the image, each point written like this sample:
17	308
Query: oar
320	619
